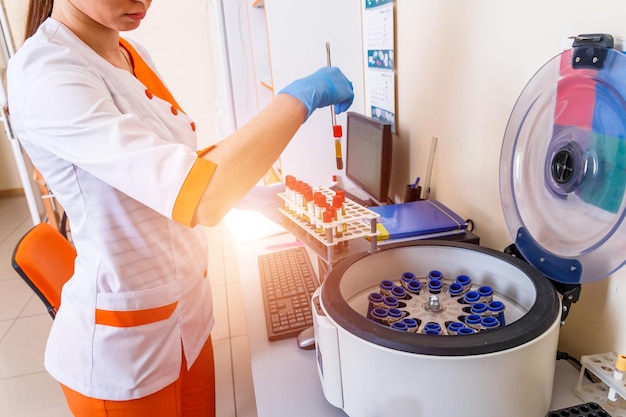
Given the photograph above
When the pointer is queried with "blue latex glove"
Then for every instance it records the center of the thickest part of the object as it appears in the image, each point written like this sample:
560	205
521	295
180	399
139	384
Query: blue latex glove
324	87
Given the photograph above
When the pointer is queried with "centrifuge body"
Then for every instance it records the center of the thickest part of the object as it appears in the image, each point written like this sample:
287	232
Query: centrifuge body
368	369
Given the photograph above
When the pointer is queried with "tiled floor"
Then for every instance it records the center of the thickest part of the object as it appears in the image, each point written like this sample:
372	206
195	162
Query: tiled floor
26	390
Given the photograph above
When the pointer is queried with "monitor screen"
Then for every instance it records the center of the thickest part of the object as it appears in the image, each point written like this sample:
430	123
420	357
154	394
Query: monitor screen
368	155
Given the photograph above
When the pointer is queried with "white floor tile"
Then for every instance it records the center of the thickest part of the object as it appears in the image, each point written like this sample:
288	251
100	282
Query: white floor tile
34	307
6	268
216	267
22	348
245	401
236	313
231	268
33	395
224	386
8	244
14	294
4	327
220	313
13	210
26	390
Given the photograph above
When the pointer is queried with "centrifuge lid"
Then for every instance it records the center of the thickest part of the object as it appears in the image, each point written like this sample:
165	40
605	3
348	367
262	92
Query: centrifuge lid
563	166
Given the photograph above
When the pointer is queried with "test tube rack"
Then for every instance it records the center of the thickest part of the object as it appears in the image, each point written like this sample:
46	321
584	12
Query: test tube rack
602	365
357	222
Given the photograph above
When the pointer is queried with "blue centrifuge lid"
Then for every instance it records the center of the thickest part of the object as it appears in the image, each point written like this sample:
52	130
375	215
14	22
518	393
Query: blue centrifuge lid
563	166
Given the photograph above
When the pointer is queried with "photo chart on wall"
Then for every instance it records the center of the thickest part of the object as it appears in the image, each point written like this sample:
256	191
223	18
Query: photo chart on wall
379	31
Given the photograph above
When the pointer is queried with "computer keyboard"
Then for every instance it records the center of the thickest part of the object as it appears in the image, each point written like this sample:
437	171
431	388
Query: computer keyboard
288	281
365	203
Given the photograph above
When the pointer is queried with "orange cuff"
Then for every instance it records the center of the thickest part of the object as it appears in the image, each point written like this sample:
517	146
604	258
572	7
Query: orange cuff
191	191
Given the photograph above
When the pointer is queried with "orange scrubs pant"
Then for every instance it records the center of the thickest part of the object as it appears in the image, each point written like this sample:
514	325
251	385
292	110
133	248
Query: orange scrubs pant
192	395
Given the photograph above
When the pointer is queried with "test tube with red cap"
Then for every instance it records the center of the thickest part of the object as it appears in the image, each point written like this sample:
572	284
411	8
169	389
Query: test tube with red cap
339	212
328	217
337	130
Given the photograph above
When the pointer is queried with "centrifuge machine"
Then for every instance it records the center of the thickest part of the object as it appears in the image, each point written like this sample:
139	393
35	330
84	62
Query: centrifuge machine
434	328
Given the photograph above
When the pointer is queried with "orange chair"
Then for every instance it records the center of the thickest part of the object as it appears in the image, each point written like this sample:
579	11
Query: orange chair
45	260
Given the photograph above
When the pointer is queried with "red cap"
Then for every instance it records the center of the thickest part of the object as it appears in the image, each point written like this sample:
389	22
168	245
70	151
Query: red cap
337	201
329	215
308	194
337	131
290	180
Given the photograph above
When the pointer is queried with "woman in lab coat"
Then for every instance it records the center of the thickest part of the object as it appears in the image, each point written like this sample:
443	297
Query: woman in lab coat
132	335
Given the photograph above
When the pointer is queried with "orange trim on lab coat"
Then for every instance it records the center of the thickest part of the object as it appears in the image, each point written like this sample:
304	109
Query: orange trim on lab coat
147	76
134	317
190	193
202	170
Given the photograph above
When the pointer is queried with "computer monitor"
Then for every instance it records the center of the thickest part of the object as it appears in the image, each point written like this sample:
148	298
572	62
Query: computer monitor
368	155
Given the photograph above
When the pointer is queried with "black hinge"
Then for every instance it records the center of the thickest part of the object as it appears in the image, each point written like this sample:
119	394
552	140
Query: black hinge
570	292
590	50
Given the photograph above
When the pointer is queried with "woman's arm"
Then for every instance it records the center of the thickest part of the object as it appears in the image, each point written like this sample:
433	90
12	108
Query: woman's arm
245	156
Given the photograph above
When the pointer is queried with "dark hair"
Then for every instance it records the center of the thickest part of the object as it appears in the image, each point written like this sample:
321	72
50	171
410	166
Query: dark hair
38	11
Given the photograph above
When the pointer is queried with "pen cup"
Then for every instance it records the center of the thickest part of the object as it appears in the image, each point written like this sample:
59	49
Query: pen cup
412	193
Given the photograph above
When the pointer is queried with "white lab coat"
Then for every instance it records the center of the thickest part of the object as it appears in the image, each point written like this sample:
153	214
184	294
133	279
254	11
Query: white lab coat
116	159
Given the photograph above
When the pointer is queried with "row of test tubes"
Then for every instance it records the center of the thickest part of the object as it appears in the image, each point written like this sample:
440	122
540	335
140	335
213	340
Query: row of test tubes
314	209
480	312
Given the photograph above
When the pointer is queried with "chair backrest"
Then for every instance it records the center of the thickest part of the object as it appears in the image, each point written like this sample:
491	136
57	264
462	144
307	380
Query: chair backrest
45	260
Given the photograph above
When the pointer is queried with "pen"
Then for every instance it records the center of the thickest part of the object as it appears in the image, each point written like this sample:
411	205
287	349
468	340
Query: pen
417	181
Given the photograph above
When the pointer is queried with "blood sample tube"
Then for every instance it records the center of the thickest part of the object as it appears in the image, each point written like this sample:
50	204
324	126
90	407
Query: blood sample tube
399	292
399	325
434	286
432	328
455	289
486	293
465	281
489	323
479	308
375	301
394	314
289	192
473	321
496	308
471	297
414	287
328	219
339	212
386	286
309	205
391	302
435	275
406	278
454	327
411	324
379	314
319	205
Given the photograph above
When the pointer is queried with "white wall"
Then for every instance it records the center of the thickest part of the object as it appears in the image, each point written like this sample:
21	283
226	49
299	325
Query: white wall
461	67
9	177
297	39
